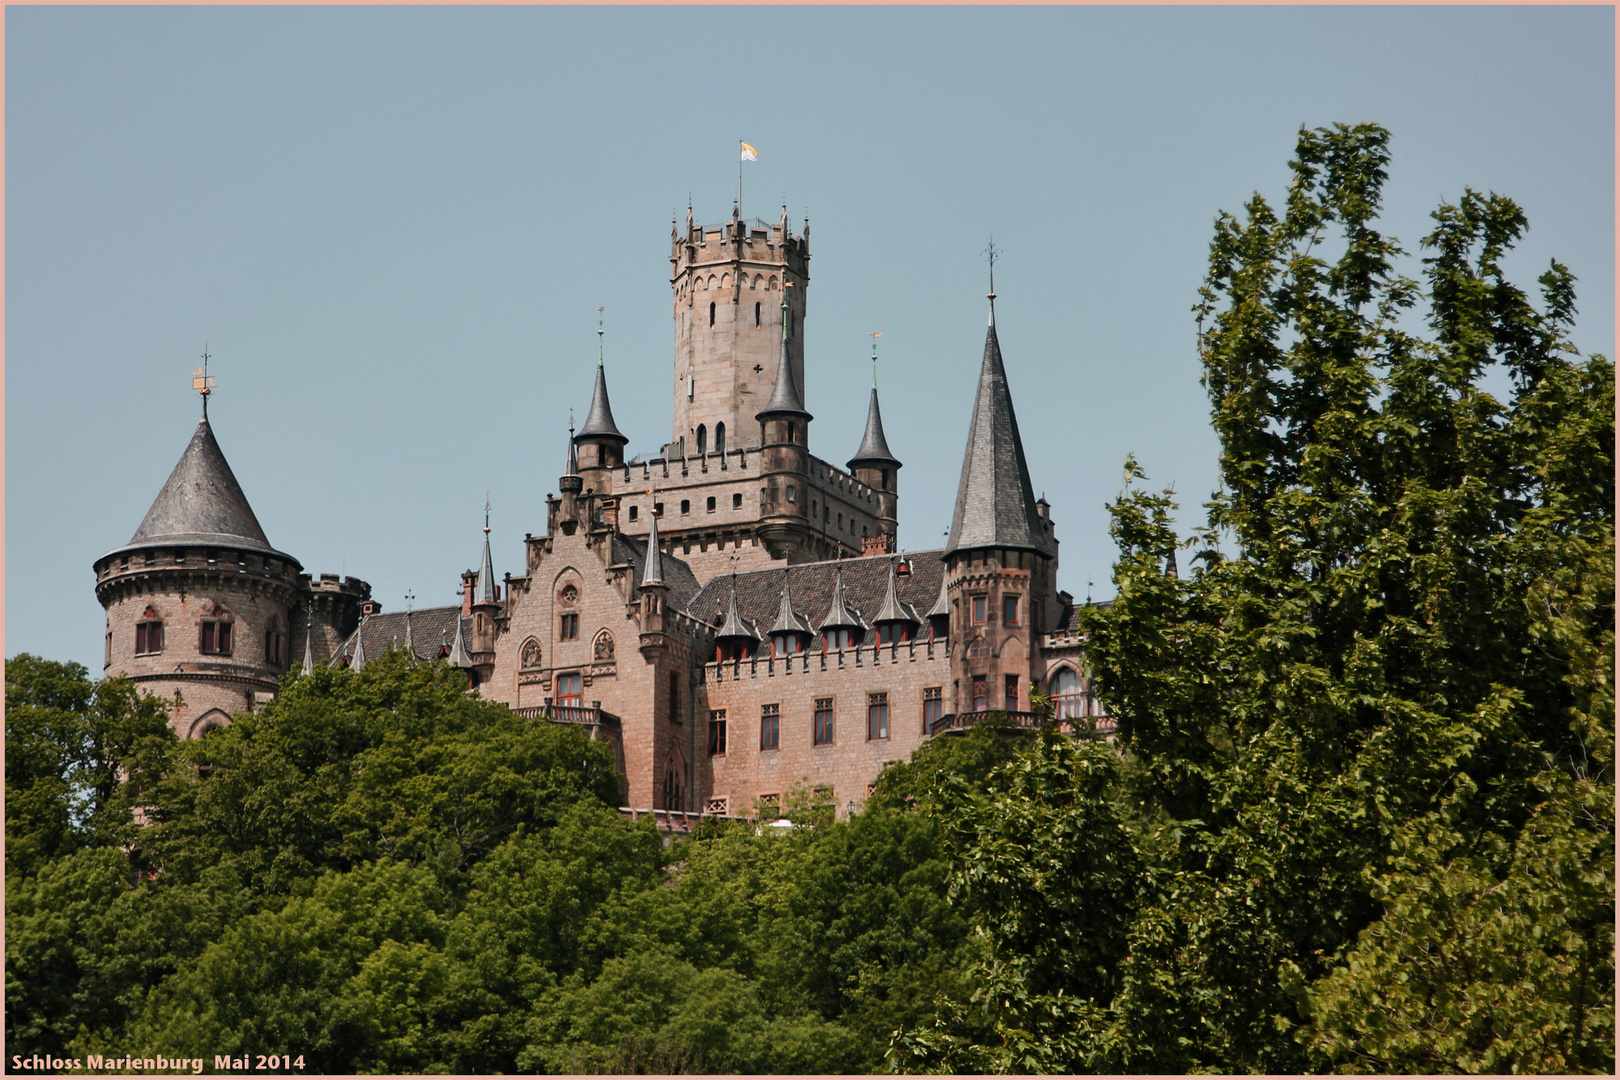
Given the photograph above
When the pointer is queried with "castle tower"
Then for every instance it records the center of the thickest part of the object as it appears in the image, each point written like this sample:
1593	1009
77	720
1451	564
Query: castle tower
1001	558
729	319
201	610
877	468
601	442
784	458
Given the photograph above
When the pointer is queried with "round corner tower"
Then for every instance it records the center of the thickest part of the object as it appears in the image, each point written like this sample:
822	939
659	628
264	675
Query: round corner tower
201	610
727	282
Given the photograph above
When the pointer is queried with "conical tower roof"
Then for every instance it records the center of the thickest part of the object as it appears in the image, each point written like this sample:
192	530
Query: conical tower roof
788	621
735	625
458	656
894	609
652	572
785	395
201	503
874	449
599	423
995	504
838	612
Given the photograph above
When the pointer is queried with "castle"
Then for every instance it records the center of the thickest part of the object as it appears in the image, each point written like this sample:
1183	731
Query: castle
733	615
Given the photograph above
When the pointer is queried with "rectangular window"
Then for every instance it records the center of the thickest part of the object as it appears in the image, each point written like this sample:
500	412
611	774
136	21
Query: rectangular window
1009	611
770	806
736	501
1012	693
770	727
214	638
570	628
978	610
877	716
824	721
674	697
933	706
717	733
107	660
570	690
711	504
635	512
686	506
981	693
149	637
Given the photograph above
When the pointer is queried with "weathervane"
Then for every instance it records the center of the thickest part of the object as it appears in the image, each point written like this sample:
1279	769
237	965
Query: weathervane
200	381
486	513
598	337
990	252
874	336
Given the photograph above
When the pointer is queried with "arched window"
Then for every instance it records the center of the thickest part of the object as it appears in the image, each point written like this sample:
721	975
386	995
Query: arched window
1068	694
711	314
772	284
702	439
720	438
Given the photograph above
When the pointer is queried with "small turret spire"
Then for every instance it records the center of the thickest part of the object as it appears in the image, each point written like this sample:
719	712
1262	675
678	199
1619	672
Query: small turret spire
599	423
486	572
309	633
653	572
784	400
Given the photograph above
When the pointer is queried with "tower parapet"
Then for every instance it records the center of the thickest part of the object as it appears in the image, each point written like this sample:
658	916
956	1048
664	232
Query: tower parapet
727	281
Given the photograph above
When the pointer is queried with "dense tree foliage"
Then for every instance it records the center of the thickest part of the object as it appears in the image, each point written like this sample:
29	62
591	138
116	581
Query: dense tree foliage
1359	815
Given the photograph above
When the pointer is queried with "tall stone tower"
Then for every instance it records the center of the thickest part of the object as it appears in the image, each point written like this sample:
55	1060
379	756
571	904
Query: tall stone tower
727	281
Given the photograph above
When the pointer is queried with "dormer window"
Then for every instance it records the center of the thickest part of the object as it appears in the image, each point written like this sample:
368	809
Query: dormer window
787	644
838	638
894	633
730	650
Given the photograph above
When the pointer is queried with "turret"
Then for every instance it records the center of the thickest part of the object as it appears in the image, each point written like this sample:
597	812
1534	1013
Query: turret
600	441
790	633
486	607
1001	558
877	468
654	596
784	459
570	484
736	638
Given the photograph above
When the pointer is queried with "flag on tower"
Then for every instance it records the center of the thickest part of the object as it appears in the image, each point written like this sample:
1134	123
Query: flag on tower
749	153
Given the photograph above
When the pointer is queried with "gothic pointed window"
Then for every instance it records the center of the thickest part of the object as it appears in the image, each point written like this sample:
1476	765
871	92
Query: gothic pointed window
702	440
711	314
720	438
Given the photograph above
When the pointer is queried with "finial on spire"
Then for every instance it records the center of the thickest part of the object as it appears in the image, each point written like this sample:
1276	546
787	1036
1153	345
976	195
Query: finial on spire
990	252
486	513
599	312
200	381
874	336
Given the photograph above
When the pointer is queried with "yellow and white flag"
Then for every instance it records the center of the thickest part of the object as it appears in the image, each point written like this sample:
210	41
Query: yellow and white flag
748	152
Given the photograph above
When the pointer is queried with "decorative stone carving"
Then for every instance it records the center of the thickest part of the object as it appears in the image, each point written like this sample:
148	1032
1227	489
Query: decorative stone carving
568	595
602	650
529	657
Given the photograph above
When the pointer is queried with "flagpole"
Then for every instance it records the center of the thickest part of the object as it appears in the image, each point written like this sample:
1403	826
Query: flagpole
739	177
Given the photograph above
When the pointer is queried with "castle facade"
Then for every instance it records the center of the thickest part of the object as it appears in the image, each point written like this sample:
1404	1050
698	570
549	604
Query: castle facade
733	614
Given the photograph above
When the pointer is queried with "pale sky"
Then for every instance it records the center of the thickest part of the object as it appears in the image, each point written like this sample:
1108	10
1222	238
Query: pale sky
393	228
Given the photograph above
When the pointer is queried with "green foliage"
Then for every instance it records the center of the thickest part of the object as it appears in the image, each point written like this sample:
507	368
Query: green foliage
78	757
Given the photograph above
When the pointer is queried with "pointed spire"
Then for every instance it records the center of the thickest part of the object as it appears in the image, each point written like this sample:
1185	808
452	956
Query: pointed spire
893	609
309	634
458	648
735	625
486	572
874	450
1170	565
942	606
410	645
788	621
785	396
599	421
653	572
571	483
995	503
839	613
358	659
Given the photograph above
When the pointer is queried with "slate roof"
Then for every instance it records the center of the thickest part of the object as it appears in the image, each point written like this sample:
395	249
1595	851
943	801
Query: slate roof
785	396
874	447
429	628
485	593
678	577
201	503
811	586
599	423
995	504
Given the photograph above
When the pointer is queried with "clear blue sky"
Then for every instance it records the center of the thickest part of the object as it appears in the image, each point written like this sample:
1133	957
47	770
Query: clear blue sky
393	226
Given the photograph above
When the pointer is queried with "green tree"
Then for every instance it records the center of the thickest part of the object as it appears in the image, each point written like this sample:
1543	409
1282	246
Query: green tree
79	755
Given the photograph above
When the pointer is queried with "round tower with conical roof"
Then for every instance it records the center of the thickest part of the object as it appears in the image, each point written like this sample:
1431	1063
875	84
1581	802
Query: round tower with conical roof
201	610
877	468
784	458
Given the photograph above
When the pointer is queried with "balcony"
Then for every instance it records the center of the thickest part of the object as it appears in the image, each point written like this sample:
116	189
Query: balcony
592	716
1081	727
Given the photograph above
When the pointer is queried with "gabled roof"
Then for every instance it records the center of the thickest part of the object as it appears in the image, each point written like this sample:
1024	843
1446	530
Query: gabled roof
995	504
894	609
599	423
201	503
789	621
874	449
